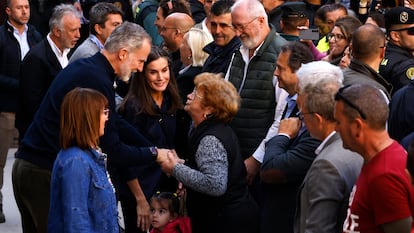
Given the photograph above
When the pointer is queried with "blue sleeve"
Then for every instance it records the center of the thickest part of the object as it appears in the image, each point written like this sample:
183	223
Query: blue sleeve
76	180
288	160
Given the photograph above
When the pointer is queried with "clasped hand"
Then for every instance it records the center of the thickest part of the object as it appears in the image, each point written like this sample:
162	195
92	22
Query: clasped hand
167	159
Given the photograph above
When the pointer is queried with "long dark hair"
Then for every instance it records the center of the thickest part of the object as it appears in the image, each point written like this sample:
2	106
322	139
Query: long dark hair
141	91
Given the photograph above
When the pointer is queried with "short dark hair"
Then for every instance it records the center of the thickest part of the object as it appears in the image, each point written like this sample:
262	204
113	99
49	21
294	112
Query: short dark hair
299	54
221	7
99	14
367	101
367	40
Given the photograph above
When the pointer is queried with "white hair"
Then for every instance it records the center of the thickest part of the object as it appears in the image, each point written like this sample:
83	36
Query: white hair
318	72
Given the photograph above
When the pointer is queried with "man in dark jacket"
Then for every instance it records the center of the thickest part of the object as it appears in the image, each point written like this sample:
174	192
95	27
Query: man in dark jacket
398	64
225	40
16	38
368	47
125	51
44	61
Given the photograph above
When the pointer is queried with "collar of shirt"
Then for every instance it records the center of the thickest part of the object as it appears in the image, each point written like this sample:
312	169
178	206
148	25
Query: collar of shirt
95	40
62	57
22	39
322	145
245	53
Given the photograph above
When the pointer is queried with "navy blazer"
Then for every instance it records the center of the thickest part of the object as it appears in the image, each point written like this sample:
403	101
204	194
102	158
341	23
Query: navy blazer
291	158
39	69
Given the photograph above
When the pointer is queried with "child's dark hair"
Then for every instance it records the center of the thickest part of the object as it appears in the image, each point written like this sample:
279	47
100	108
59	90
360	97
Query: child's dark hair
172	198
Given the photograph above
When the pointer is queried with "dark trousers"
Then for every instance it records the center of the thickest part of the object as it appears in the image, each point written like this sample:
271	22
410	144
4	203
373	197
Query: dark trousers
31	187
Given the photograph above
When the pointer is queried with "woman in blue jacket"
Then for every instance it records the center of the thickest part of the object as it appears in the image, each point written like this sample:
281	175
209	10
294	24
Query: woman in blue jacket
82	197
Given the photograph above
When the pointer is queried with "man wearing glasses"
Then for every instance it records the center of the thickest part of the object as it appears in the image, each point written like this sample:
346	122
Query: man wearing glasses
398	64
381	199
251	72
324	194
289	149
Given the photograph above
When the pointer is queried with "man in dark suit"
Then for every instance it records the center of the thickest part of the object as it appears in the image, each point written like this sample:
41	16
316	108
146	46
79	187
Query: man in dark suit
324	194
16	38
289	154
44	62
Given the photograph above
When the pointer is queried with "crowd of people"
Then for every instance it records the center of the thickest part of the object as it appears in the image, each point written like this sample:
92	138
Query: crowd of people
209	115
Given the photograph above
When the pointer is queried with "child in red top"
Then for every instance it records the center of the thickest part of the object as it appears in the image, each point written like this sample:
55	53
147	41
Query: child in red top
165	214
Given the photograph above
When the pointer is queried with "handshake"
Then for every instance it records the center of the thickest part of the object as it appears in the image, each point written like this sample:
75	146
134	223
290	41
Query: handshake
167	159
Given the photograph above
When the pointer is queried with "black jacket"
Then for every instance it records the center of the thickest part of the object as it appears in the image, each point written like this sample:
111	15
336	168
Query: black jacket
39	69
10	65
219	57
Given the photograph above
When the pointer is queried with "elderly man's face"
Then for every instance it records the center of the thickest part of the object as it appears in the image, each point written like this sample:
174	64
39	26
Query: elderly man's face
248	28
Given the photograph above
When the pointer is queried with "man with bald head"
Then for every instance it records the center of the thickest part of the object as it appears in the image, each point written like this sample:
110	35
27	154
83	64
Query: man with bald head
173	30
368	49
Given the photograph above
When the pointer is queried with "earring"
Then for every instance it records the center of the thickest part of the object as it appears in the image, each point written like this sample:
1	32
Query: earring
205	116
189	57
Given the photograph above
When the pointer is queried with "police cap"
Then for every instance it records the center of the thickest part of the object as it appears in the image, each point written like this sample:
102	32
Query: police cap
293	10
398	15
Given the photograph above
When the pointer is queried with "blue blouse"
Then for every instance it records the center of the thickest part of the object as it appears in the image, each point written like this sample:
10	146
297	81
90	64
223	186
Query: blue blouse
82	198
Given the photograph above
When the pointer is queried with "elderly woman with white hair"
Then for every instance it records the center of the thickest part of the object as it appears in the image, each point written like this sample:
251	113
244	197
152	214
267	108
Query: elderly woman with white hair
193	58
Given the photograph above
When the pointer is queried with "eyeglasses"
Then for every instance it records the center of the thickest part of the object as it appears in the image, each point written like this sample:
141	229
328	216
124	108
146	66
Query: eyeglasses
410	30
195	93
301	115
241	27
106	112
339	96
337	37
163	29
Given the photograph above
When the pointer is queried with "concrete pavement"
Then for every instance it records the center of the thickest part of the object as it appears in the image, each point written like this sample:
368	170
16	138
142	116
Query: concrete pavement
13	222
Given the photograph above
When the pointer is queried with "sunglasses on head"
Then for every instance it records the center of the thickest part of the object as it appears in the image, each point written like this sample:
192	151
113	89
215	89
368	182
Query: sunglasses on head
410	30
339	96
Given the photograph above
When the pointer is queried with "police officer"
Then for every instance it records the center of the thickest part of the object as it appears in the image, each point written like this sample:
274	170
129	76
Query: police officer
293	16
397	66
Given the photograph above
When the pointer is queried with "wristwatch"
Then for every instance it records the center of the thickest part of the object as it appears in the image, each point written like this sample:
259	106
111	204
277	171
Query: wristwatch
154	151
